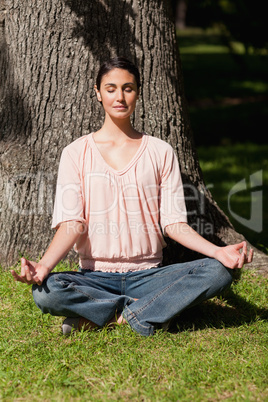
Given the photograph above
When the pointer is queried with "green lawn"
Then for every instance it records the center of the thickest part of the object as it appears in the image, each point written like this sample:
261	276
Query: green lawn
224	166
214	352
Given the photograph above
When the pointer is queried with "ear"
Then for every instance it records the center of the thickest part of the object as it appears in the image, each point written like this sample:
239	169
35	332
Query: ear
97	93
138	93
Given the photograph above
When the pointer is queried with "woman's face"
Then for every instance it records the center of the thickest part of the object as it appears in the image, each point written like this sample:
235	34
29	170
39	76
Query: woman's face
118	93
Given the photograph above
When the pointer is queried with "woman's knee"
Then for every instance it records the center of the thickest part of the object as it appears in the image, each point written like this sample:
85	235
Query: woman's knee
45	295
221	275
215	275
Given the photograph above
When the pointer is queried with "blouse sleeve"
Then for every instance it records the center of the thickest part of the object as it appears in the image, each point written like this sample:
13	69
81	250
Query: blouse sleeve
69	203
172	202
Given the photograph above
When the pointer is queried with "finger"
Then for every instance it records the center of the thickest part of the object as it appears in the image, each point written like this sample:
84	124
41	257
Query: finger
241	260
22	272
37	280
17	277
238	246
245	250
28	275
23	262
14	274
250	256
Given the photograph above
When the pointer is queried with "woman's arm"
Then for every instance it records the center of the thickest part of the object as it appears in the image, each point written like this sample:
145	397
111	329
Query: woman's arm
64	239
229	256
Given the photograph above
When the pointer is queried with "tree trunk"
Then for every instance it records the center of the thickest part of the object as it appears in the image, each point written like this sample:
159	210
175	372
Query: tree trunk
50	54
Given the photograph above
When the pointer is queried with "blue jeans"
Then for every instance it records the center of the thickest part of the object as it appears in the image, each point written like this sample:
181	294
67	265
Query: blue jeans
162	293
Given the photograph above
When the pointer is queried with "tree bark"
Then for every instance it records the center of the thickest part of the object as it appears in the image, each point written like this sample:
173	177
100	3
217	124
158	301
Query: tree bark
50	55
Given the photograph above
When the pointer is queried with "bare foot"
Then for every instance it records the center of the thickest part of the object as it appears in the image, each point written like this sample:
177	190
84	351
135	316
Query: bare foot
87	325
117	320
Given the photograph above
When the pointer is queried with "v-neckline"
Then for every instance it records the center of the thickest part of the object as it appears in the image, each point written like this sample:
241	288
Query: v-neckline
130	163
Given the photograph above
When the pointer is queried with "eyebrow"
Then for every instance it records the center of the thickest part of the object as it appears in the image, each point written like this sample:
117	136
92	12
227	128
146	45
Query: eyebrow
110	84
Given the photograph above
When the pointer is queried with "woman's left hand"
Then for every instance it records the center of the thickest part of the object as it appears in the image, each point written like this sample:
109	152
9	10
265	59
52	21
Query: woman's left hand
234	256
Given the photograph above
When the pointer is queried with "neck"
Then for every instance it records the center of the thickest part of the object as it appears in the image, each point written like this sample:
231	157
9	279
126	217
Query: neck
118	128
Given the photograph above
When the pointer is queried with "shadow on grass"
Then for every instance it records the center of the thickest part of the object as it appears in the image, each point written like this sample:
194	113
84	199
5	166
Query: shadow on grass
216	314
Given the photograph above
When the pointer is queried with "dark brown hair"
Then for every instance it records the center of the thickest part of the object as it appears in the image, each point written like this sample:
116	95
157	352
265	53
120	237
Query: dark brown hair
118	62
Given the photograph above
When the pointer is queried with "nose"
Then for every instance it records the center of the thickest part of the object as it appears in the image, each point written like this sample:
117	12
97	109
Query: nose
120	95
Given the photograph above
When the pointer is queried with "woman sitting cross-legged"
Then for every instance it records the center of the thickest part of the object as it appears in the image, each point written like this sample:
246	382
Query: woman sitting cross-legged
119	193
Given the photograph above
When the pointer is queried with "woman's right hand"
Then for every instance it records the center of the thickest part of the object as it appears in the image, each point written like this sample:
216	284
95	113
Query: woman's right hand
32	273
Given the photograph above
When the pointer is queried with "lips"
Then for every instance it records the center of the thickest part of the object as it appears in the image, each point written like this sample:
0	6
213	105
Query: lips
120	107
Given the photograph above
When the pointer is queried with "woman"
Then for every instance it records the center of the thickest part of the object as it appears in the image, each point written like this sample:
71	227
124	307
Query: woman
119	192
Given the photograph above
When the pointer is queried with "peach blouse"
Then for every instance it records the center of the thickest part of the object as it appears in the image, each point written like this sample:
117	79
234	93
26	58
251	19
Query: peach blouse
124	212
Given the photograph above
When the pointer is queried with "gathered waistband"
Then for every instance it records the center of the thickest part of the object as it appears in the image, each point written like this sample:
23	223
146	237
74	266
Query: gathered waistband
119	266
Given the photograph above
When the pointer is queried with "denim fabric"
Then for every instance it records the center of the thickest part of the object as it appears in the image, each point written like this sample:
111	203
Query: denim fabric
162	293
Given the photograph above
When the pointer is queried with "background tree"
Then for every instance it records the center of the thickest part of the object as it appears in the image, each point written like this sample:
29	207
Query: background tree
50	54
239	20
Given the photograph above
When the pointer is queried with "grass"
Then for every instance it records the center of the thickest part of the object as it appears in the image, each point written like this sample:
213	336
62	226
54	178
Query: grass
215	351
224	166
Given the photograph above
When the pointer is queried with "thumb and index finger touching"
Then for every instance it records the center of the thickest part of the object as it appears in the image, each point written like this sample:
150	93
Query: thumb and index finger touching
27	273
245	255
